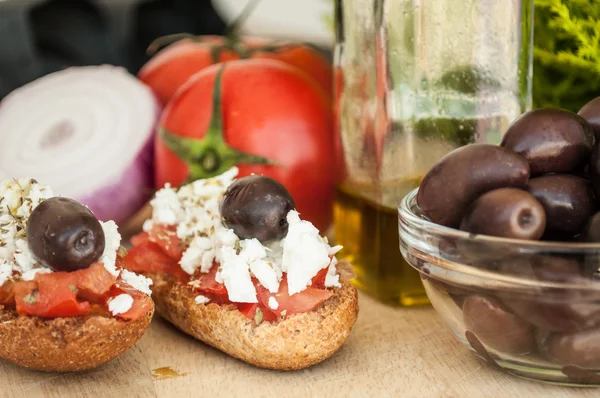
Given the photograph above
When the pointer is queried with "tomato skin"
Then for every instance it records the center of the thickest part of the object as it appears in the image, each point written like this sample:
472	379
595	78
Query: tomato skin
149	257
140	238
165	236
55	296
94	282
168	70
249	310
304	301
269	109
208	283
318	281
7	294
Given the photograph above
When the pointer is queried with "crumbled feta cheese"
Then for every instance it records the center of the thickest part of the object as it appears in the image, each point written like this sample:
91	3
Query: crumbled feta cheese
139	282
23	256
266	275
332	278
166	208
120	304
304	253
236	276
273	304
333	250
5	271
112	240
147	225
252	250
200	299
199	254
18	198
30	275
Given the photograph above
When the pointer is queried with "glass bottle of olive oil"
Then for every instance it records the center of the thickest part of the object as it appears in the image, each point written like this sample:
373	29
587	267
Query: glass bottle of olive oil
415	80
369	233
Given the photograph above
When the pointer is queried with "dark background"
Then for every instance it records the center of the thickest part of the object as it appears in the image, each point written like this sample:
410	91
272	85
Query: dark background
41	36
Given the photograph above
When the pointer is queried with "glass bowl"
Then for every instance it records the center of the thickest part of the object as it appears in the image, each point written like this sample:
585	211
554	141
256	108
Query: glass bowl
527	307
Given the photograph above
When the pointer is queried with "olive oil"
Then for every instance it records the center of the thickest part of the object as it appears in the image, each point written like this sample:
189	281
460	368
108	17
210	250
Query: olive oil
369	234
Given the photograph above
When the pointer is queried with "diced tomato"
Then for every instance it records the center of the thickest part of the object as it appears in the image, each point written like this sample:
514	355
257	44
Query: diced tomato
208	286
318	281
148	257
140	238
94	282
208	282
165	236
249	310
304	301
7	294
50	295
141	302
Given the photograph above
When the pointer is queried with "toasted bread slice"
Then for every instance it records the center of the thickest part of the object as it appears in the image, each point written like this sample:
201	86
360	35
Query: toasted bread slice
296	342
67	344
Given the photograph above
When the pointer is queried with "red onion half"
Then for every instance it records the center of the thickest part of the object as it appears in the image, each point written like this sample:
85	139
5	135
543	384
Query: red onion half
85	131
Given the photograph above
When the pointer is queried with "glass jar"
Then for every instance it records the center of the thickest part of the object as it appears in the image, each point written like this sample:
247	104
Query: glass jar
415	80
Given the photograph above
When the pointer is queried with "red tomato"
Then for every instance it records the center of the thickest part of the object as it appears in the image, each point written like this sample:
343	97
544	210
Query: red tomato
168	70
149	257
208	283
140	238
50	296
94	282
166	237
7	294
249	310
304	301
318	281
269	111
141	303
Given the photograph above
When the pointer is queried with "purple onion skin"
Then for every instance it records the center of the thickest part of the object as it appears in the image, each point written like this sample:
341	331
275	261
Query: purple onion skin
120	200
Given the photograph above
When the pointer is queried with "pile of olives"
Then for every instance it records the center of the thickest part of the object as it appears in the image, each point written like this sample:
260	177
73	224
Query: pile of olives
64	235
541	183
256	207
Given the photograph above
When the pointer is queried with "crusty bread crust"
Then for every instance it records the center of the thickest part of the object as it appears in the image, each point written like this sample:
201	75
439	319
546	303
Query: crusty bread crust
294	343
67	344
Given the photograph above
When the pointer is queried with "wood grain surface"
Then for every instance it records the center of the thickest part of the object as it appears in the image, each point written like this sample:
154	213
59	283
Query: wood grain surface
390	353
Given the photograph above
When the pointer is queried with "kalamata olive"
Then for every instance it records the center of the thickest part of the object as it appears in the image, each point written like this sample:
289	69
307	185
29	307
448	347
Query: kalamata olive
591	113
496	327
552	140
580	348
594	169
551	309
464	174
256	207
506	212
568	201
591	232
64	235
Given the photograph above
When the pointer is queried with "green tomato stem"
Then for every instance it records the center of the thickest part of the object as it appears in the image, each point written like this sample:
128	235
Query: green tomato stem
209	156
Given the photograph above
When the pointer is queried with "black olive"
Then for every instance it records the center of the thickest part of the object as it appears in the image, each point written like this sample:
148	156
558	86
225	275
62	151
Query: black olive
461	176
64	235
568	201
506	212
552	140
256	207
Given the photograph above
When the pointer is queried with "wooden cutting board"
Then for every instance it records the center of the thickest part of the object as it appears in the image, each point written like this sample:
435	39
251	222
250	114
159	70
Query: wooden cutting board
390	353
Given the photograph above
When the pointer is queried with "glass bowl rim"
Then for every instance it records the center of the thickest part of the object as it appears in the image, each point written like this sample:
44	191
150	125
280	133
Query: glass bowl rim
483	276
405	211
